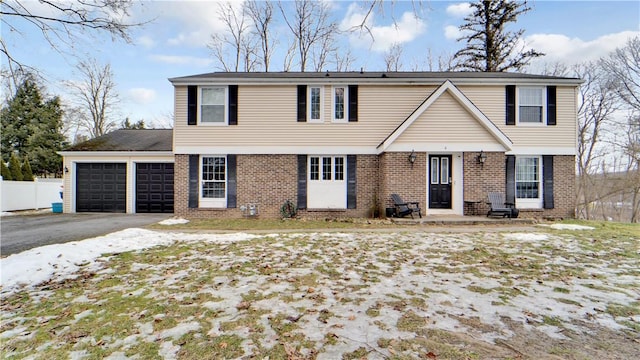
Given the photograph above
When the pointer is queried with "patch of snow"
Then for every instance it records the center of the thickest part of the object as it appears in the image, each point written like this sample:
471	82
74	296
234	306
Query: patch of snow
82	315
568	227
168	351
78	355
179	330
118	355
63	261
174	221
13	332
526	237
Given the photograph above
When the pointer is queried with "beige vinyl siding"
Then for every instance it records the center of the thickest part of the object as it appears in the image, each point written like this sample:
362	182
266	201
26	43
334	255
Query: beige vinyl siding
446	121
491	101
267	117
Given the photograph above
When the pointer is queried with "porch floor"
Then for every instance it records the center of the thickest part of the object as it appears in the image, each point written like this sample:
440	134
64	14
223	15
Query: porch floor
461	220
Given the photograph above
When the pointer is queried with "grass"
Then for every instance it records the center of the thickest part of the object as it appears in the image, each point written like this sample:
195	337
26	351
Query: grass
316	293
276	224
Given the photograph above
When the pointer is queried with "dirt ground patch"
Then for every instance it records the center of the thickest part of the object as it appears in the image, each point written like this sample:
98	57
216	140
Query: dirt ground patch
392	295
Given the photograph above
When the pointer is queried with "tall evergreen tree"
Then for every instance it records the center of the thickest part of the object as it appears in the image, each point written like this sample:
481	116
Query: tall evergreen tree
32	127
489	45
15	168
4	171
27	174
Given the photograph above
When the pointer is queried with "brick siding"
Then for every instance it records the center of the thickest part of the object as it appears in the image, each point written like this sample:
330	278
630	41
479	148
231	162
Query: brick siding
480	179
399	176
269	180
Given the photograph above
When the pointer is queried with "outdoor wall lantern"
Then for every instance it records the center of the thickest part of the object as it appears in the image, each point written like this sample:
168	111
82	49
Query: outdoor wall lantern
66	170
412	157
482	157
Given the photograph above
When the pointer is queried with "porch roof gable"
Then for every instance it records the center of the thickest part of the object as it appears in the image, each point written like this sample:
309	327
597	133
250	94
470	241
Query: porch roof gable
476	113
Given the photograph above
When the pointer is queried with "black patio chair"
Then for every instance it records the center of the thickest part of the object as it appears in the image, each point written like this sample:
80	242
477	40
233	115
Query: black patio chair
501	208
405	208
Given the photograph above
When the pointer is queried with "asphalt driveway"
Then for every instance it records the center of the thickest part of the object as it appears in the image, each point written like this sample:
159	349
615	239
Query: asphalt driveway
20	233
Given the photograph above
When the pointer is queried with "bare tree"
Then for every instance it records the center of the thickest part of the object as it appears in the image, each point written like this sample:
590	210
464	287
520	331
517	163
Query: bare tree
624	65
236	40
96	97
322	53
489	45
343	60
393	57
310	24
261	14
597	104
61	23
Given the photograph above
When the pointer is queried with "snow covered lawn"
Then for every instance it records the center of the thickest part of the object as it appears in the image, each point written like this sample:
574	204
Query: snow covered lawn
376	295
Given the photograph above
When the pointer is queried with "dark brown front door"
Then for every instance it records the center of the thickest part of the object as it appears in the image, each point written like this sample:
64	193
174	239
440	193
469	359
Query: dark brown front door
440	181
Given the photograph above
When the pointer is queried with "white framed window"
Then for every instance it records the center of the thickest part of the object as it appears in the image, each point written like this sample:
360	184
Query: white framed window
531	105
339	104
528	181
314	103
213	181
326	168
213	105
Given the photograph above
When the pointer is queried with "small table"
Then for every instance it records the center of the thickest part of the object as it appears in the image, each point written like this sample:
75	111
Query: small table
472	206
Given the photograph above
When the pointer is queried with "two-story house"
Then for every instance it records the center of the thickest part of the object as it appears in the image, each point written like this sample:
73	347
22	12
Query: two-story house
339	144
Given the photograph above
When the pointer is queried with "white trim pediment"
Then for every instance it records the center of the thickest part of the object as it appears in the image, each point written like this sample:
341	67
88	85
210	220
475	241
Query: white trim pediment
478	115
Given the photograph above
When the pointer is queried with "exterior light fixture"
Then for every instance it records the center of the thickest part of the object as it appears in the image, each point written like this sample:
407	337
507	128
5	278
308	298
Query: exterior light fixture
482	157
66	170
412	157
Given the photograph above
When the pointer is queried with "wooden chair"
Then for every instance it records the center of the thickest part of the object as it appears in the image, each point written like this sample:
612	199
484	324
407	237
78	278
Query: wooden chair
501	208
405	208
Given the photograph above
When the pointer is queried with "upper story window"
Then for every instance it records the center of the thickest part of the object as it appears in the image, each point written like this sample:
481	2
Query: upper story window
340	104
531	105
213	102
315	104
212	105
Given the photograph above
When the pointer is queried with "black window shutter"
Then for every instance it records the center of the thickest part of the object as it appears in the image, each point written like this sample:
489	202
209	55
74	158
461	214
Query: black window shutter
511	104
352	165
510	191
192	104
194	165
551	105
302	181
232	184
353	103
233	104
547	181
302	103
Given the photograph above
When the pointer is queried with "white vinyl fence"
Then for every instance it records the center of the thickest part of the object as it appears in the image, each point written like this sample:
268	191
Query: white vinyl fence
26	195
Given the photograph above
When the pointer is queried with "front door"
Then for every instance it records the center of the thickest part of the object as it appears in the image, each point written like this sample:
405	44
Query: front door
440	181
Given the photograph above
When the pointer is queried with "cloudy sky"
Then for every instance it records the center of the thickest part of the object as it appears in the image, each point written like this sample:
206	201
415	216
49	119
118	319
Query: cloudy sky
174	42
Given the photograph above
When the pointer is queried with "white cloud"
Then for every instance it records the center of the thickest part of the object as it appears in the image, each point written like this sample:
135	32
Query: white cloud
146	41
561	48
452	32
142	96
197	20
381	38
182	60
459	10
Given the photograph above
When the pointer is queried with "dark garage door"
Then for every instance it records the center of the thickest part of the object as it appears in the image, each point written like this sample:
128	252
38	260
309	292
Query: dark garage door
154	188
101	187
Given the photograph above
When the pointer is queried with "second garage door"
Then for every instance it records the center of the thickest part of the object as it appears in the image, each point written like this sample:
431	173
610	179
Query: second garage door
101	187
154	188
